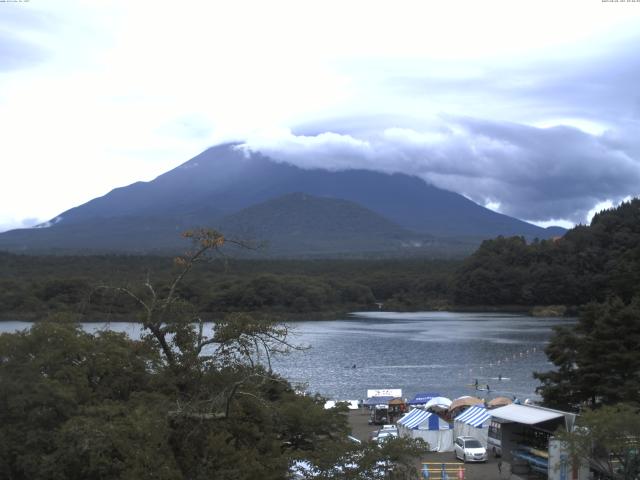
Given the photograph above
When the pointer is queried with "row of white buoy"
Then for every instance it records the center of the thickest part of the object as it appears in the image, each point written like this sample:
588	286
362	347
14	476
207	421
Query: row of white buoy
515	356
503	362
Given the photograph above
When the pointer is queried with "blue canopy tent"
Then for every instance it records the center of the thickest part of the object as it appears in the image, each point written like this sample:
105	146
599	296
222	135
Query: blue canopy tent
473	422
422	398
372	401
429	427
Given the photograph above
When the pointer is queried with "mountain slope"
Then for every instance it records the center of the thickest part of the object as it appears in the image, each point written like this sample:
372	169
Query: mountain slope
223	180
298	222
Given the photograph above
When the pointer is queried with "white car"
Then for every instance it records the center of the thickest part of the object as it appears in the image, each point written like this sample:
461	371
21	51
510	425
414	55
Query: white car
469	449
385	435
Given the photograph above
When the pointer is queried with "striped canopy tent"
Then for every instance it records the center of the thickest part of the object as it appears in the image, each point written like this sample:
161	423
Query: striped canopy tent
429	427
473	422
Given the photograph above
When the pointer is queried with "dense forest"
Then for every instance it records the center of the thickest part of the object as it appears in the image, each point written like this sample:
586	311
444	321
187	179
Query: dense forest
173	405
589	263
36	286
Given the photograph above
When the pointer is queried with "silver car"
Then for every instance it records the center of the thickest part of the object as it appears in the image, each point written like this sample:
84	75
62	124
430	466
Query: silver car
469	449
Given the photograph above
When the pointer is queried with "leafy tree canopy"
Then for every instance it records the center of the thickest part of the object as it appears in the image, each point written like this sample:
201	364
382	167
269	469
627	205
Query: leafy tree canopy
589	263
608	439
597	360
180	403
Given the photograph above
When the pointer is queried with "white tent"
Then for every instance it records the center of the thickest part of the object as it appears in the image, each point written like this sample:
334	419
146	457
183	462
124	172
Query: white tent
473	422
438	403
429	427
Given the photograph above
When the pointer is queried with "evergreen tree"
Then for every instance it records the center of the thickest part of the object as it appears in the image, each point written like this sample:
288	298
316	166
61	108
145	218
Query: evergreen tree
587	264
597	360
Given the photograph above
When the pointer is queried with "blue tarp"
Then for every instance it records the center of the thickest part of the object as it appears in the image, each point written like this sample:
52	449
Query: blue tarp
422	398
474	416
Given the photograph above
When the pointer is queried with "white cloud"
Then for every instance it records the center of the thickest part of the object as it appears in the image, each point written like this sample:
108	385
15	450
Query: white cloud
600	206
121	91
531	173
495	206
604	205
554	222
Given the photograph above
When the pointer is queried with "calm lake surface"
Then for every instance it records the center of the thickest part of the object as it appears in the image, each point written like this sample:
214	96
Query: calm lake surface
441	352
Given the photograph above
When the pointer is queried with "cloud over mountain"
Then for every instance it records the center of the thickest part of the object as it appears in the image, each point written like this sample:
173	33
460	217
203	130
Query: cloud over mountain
471	96
531	172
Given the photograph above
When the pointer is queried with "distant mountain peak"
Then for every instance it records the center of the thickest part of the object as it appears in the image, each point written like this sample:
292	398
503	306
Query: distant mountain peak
228	179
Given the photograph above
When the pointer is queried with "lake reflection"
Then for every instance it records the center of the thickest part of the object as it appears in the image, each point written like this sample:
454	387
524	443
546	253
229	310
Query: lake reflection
439	352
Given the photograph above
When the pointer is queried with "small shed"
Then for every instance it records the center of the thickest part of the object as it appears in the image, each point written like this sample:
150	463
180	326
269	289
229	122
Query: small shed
473	422
429	427
397	408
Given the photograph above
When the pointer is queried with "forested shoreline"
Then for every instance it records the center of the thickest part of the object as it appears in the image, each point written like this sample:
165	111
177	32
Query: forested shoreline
34	287
589	263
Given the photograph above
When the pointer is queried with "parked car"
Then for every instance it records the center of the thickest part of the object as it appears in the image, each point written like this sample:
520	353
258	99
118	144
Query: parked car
382	433
469	449
389	428
385	435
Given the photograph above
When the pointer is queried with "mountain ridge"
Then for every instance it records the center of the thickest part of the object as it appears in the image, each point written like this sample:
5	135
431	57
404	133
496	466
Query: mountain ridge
225	179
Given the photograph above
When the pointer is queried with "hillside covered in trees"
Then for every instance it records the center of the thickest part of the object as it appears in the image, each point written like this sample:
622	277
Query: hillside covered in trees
589	263
33	287
596	360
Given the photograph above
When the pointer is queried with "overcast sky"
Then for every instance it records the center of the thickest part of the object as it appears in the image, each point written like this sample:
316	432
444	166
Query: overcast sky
531	108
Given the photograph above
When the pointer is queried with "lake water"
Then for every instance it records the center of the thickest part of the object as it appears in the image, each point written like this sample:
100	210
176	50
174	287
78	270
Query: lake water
441	352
